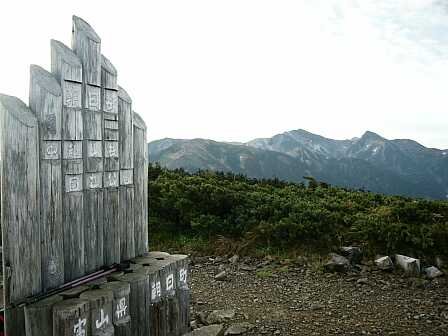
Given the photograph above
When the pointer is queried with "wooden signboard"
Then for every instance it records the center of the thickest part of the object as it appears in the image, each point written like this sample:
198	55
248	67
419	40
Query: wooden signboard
73	178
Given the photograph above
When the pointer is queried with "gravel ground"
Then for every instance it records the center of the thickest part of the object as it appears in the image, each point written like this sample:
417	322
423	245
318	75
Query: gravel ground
295	298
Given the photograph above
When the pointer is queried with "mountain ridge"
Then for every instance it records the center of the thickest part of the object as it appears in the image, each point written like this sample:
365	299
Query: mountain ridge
371	162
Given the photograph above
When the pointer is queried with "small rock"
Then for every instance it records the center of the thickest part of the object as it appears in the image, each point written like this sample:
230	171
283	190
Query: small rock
220	316
433	272
362	281
248	268
408	264
440	262
239	328
194	324
211	330
316	306
384	263
352	253
234	259
337	263
218	260
221	276
202	317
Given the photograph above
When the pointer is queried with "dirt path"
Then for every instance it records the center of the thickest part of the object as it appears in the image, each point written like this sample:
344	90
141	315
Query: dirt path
294	299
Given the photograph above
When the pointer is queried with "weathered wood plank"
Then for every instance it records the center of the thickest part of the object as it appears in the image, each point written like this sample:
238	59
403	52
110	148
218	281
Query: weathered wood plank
111	221
67	68
125	129
94	223
74	255
87	45
120	307
138	302
100	321
15	321
71	317
126	221
39	316
65	65
20	200
140	179
46	103
183	291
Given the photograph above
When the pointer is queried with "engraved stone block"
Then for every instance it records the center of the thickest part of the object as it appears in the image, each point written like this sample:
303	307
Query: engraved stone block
111	179
71	92
110	124
110	101
94	149
73	183
111	149
72	150
51	150
126	176
93	101
94	180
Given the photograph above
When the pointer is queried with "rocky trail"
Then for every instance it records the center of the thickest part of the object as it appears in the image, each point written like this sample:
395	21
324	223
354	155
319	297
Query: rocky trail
294	297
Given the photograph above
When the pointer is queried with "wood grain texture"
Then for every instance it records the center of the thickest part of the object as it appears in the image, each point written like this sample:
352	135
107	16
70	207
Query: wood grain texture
46	103
111	225
20	215
15	321
94	226
87	45
39	316
126	222
140	186
74	255
139	294
108	74
120	307
100	321
183	292
125	129
65	65
71	317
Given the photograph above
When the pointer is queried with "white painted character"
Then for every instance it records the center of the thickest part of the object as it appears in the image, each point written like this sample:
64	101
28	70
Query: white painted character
74	184
52	150
183	274
121	308
104	319
170	282
156	290
93	181
79	329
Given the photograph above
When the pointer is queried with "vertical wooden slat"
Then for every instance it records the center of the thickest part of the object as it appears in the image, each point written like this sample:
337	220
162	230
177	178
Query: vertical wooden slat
87	45
140	186
19	200
139	285
71	317
46	103
120	307
67	68
100	302
39	317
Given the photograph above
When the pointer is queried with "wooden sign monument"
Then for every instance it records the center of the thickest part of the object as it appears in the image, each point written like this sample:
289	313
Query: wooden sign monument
74	206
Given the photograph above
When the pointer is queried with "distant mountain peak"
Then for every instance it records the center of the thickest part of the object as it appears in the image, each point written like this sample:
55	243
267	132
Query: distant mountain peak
372	162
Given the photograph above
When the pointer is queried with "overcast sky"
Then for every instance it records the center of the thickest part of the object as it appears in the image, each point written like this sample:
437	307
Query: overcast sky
237	70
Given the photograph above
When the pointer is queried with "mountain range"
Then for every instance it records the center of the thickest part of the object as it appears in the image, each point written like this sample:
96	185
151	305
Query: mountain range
371	162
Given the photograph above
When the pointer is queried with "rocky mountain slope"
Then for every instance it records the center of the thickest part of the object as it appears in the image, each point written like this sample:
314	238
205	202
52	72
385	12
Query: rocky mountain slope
371	162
